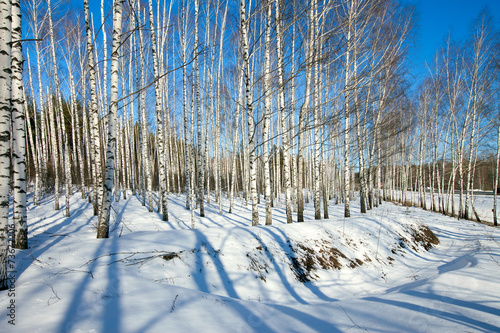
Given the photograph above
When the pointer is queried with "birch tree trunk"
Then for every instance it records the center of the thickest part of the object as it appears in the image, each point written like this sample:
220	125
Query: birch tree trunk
302	114
267	113
218	190
480	68
53	134
495	186
75	126
293	87
234	180
316	116
103	227
63	143
201	171
347	169
209	70
105	57
187	164
36	141
144	123
249	105
5	121
43	142
284	125
94	112
159	118
18	131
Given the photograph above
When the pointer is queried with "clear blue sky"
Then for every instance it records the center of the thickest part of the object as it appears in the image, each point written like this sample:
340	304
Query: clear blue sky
436	18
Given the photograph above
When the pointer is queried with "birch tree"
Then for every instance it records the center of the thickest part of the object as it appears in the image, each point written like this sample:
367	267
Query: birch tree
284	125
479	72
352	7
187	164
18	131
309	45
147	177
5	125
63	143
103	227
94	113
249	107
159	118
316	114
201	173
497	169
267	112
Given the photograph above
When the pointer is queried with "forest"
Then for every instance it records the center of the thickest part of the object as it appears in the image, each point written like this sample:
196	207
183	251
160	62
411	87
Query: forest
213	101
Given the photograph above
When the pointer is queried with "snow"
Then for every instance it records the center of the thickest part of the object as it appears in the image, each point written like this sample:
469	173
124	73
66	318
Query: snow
226	276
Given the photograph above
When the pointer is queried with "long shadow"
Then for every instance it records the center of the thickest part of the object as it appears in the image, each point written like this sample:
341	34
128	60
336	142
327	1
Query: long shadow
316	324
171	215
77	311
120	214
235	221
459	263
252	318
74	214
448	316
34	252
454	301
277	268
112	313
287	248
200	277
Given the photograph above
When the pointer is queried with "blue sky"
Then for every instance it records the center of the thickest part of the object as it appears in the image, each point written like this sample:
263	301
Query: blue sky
436	18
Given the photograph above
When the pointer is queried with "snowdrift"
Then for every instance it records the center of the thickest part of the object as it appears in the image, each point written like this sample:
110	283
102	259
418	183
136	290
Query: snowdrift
394	269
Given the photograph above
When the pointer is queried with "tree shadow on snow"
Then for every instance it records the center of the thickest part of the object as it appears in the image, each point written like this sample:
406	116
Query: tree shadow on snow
436	309
284	242
39	243
97	305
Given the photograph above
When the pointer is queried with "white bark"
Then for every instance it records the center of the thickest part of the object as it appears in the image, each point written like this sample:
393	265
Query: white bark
201	173
249	107
103	227
5	121
147	177
302	116
236	134
94	113
284	125
18	131
267	113
218	186
347	169
187	163
63	143
36	141
43	129
159	118
105	58
316	115
495	182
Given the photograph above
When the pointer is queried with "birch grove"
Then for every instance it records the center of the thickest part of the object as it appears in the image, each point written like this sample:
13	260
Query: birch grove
225	104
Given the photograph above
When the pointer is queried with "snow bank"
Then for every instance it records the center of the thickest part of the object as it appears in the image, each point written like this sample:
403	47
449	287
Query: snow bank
384	271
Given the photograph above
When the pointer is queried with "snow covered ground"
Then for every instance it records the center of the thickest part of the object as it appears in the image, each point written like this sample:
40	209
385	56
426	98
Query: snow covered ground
378	273
483	203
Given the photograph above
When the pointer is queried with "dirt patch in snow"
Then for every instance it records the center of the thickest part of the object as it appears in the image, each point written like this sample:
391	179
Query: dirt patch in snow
415	238
305	260
424	236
